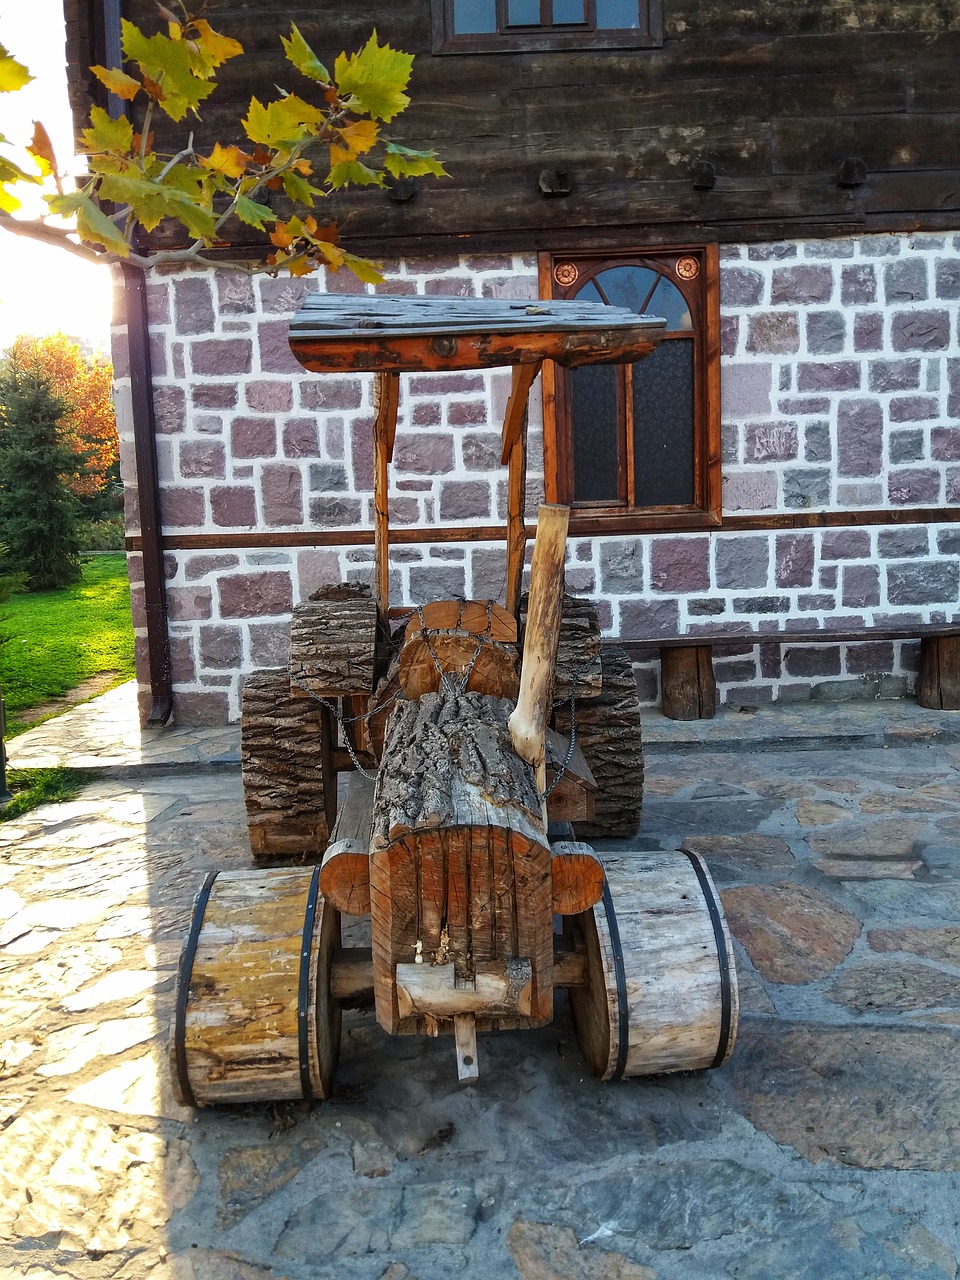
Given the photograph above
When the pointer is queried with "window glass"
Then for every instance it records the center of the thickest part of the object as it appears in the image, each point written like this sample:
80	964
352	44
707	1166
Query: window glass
473	17
663	425
617	15
627	286
523	13
596	462
568	11
669	302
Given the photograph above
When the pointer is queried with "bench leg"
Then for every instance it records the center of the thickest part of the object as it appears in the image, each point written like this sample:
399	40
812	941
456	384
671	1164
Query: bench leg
939	683
688	690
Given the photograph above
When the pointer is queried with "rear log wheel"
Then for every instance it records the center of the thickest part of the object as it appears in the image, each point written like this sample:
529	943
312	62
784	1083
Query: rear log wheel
660	985
289	782
608	732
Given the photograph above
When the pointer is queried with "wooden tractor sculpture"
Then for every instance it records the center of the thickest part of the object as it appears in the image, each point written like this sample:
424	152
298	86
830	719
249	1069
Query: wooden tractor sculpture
481	743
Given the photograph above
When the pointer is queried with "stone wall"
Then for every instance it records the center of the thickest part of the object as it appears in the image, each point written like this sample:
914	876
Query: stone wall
841	392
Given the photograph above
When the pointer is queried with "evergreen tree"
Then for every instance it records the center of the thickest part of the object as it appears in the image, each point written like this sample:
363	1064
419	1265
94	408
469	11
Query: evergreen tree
38	513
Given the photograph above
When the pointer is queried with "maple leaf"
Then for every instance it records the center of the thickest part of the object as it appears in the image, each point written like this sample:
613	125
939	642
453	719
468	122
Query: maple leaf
171	65
300	266
92	224
13	74
402	162
284	233
302	56
118	82
365	270
230	161
41	148
282	123
358	138
299	189
252	213
217	48
375	77
344	172
107	136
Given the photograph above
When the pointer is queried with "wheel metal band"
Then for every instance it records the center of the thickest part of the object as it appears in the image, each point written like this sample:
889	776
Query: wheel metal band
723	961
303	987
184	974
623	1011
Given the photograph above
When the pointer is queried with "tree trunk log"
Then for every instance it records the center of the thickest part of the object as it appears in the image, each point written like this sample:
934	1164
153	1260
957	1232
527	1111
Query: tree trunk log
578	650
460	866
333	641
282	754
608	731
486	666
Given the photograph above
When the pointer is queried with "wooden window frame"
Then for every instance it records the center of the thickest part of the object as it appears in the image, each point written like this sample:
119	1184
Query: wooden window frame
706	510
544	39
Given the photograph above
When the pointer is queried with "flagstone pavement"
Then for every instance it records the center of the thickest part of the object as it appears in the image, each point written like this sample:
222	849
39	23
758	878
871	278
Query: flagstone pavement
828	1146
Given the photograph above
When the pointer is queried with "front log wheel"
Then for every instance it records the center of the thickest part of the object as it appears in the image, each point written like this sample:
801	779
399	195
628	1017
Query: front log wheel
608	732
660	984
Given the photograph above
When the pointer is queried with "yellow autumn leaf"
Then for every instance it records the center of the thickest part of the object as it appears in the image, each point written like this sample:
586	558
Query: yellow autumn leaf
118	82
375	77
358	138
217	47
230	161
13	74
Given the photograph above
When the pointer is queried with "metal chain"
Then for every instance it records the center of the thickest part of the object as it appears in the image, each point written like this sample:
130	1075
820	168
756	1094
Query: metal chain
573	731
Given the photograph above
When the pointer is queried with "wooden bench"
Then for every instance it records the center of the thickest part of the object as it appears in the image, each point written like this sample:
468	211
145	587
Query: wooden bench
689	686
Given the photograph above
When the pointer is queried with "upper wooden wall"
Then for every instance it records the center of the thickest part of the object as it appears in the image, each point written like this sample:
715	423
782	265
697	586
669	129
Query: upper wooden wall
775	93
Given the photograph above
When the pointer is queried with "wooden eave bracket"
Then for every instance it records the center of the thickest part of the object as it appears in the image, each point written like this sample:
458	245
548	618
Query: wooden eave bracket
523	376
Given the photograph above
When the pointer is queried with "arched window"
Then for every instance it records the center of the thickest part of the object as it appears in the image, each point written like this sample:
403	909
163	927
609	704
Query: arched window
638	445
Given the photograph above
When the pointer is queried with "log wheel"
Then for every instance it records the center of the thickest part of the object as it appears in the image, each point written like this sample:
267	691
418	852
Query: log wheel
255	1019
608	731
660	986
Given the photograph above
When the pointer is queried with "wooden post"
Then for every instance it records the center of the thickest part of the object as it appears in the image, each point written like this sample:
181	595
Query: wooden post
939	683
387	399
516	529
688	688
528	722
514	420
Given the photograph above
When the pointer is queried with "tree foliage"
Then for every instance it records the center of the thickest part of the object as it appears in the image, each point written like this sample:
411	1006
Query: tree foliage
38	513
89	424
303	144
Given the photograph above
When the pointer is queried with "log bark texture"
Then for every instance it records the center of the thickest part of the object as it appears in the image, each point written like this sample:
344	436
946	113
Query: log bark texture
673	1004
241	1036
480	664
578	649
333	641
608	732
282	758
460	866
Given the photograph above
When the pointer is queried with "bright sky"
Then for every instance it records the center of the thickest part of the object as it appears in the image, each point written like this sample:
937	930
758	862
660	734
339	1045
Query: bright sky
43	290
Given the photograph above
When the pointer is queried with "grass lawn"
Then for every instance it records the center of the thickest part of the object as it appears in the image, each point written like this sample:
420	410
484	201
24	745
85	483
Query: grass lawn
59	638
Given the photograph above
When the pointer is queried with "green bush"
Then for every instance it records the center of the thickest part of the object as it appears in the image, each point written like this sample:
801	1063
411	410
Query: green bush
102	535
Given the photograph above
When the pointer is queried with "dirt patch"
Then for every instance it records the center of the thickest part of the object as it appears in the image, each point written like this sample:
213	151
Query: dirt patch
85	690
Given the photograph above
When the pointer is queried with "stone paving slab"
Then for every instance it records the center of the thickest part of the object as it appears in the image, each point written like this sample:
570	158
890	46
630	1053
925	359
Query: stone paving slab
828	1147
104	734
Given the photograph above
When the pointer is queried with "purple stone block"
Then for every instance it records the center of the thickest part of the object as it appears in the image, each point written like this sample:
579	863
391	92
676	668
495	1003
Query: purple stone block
281	495
774	333
921	331
680	565
913	486
233	506
747	390
255	595
193	306
860	586
221	357
894	375
794	560
860	438
253	438
269	397
802	284
202	459
771	442
275	354
837	376
424	454
858	285
740	287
